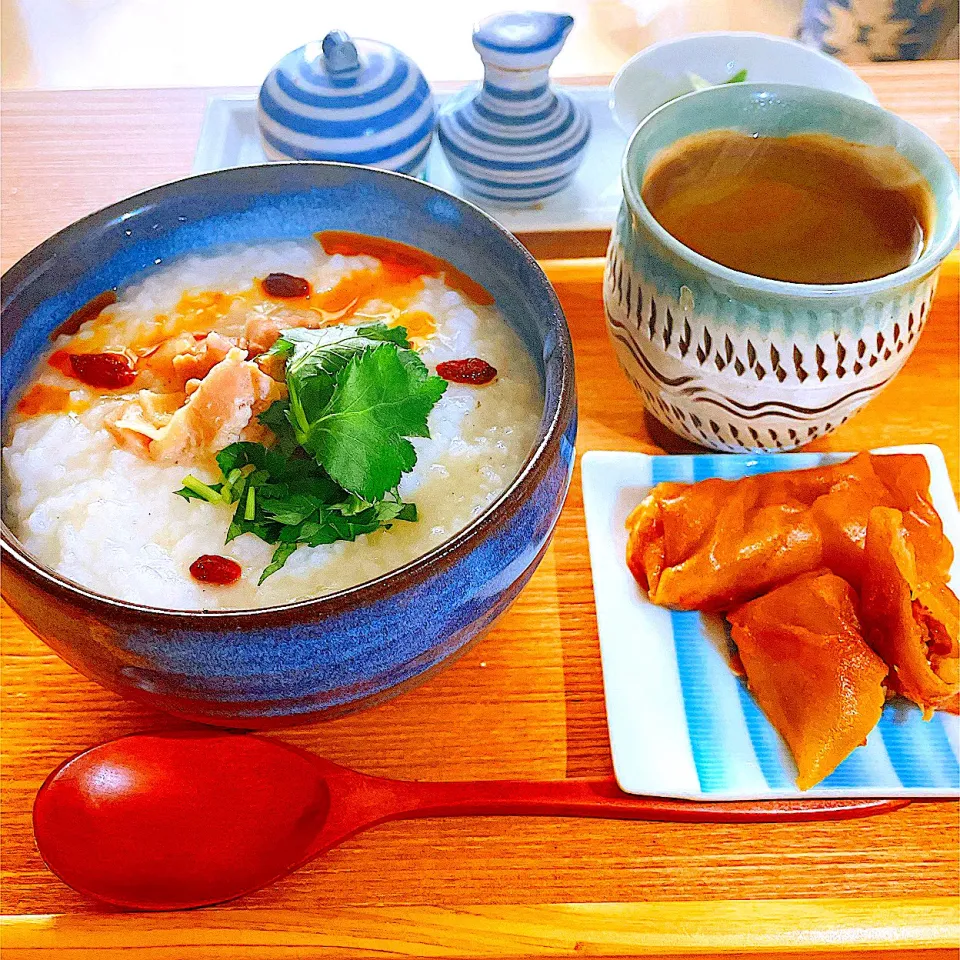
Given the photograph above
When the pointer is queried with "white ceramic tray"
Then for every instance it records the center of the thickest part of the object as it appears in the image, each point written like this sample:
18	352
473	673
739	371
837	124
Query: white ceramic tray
230	138
682	724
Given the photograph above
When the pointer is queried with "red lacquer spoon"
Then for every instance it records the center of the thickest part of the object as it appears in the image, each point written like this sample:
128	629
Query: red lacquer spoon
173	820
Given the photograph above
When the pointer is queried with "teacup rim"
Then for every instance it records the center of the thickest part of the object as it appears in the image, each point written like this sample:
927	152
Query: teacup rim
928	261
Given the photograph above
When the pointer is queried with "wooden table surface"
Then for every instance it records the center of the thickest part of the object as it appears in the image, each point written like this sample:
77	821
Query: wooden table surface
525	702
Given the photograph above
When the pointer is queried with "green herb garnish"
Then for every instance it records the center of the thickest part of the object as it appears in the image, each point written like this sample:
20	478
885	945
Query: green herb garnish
698	83
194	489
356	394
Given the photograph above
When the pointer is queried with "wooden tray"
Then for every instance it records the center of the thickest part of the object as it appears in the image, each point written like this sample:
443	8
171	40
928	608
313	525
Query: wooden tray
526	702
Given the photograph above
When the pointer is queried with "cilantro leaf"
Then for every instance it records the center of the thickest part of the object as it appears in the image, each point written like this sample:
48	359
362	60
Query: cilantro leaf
396	510
246	454
277	418
355	396
194	489
280	556
333	525
327	349
267	532
295	504
293	510
315	358
379	400
380	331
296	342
353	505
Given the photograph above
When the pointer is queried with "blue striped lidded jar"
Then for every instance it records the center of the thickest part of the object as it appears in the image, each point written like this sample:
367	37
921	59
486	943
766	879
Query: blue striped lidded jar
516	140
357	101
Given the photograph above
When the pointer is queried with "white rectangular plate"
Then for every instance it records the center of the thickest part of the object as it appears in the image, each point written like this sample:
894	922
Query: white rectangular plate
230	138
682	724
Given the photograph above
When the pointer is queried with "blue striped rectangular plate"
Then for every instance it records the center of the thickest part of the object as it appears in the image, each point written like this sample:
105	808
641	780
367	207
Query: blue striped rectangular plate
682	724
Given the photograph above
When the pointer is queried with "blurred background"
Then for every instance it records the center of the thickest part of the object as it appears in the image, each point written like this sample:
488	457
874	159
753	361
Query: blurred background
83	44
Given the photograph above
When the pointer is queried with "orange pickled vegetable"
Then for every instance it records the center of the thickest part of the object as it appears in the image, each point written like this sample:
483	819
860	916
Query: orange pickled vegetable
910	615
810	670
716	543
908	478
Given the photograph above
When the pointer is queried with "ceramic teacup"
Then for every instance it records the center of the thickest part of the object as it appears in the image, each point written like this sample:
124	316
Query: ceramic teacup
737	362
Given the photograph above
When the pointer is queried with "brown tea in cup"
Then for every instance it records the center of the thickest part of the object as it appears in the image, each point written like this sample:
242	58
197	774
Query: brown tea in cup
806	208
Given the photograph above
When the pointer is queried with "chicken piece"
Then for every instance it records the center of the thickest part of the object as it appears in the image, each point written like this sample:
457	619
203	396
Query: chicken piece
910	615
812	674
217	412
181	358
716	543
261	333
196	363
263	330
139	421
218	409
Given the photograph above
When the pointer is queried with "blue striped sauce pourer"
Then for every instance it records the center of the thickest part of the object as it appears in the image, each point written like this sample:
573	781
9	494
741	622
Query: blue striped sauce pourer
515	140
357	101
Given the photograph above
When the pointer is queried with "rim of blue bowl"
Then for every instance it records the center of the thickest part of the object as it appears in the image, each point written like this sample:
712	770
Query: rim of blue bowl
341	601
928	261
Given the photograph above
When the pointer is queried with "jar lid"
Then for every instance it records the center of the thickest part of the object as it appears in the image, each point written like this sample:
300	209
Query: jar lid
356	101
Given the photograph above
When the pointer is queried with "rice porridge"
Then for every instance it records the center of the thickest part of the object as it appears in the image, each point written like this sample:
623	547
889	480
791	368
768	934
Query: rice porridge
288	360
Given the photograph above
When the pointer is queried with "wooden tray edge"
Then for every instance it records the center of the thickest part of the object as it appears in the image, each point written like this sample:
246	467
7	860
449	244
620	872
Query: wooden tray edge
506	930
588	269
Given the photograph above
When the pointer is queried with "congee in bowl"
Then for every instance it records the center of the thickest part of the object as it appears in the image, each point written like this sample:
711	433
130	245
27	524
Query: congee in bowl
280	440
258	424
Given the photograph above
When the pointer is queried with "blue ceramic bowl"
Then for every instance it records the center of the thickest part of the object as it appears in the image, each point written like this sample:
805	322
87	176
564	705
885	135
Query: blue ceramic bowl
319	657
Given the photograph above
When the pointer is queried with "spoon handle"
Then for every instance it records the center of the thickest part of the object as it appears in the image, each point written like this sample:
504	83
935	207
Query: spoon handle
602	798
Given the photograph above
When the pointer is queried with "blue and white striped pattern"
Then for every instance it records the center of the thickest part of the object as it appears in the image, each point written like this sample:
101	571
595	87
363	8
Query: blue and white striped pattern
515	140
521	41
378	113
699	733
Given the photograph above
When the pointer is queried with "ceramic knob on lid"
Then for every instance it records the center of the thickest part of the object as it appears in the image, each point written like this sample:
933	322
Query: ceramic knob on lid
356	101
516	140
